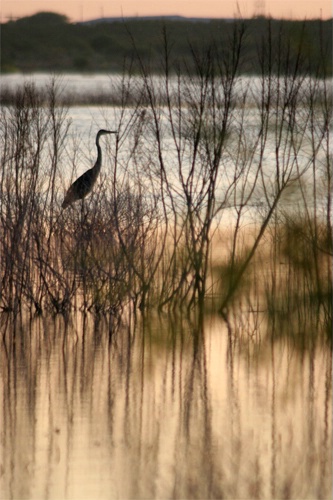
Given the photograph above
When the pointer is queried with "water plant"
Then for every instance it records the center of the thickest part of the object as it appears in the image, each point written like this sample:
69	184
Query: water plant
197	151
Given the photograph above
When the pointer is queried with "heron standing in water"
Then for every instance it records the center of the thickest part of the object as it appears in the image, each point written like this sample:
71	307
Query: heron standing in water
84	184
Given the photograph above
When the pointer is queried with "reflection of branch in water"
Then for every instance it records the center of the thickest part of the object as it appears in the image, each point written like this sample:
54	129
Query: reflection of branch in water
233	397
195	429
182	404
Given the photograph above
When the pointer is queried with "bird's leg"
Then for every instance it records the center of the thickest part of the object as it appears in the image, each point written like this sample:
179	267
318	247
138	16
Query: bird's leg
84	228
83	251
82	212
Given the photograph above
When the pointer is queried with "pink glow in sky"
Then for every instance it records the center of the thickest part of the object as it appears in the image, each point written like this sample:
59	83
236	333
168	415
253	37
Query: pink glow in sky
77	10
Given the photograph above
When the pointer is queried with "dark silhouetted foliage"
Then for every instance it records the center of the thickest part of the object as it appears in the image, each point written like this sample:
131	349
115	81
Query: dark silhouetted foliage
49	42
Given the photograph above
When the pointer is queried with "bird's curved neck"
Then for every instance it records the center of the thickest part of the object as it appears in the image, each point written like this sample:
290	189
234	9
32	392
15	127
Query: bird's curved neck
98	163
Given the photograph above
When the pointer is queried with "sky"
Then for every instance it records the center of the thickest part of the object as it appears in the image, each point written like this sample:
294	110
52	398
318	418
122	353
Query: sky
79	10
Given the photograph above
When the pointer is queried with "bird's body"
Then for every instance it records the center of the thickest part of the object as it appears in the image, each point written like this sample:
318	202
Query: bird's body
84	184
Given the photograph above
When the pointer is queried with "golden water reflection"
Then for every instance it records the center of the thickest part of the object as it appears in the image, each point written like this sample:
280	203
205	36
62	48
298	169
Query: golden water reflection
160	409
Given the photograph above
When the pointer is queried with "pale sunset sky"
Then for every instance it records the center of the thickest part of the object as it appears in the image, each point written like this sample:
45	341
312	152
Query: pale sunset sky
78	10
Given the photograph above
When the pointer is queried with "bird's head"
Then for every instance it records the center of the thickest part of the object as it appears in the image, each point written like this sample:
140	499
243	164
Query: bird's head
104	132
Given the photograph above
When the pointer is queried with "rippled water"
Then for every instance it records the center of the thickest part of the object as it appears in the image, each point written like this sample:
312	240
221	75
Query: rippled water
161	408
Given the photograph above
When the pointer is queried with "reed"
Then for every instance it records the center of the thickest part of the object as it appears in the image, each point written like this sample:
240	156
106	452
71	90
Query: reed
193	150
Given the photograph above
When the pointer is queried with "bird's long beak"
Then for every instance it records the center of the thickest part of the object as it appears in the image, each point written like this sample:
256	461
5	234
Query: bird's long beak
115	132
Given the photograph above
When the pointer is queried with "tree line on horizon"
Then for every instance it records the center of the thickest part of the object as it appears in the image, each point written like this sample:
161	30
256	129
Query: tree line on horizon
49	42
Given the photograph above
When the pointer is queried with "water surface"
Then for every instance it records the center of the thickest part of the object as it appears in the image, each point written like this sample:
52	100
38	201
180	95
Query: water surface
161	408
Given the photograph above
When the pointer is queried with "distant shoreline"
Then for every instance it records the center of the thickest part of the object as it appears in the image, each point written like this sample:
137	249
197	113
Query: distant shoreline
48	42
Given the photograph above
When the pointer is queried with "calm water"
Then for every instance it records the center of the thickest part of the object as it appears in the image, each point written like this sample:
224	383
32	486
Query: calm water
161	409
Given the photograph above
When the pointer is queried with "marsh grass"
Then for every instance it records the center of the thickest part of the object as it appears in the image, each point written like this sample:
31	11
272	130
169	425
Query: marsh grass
281	295
188	156
299	297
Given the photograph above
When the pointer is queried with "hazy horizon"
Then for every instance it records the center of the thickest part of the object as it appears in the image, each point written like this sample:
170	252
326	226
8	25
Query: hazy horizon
85	10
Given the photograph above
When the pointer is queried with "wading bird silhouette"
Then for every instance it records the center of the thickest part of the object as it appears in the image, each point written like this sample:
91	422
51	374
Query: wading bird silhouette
84	184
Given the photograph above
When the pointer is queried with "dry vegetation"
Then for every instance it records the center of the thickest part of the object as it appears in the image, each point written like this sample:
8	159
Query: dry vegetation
190	151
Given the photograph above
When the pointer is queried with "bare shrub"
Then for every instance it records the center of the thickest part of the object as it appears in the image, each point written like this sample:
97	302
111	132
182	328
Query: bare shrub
193	150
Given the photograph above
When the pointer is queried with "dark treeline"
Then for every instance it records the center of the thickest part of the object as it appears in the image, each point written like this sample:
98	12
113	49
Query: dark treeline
49	42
